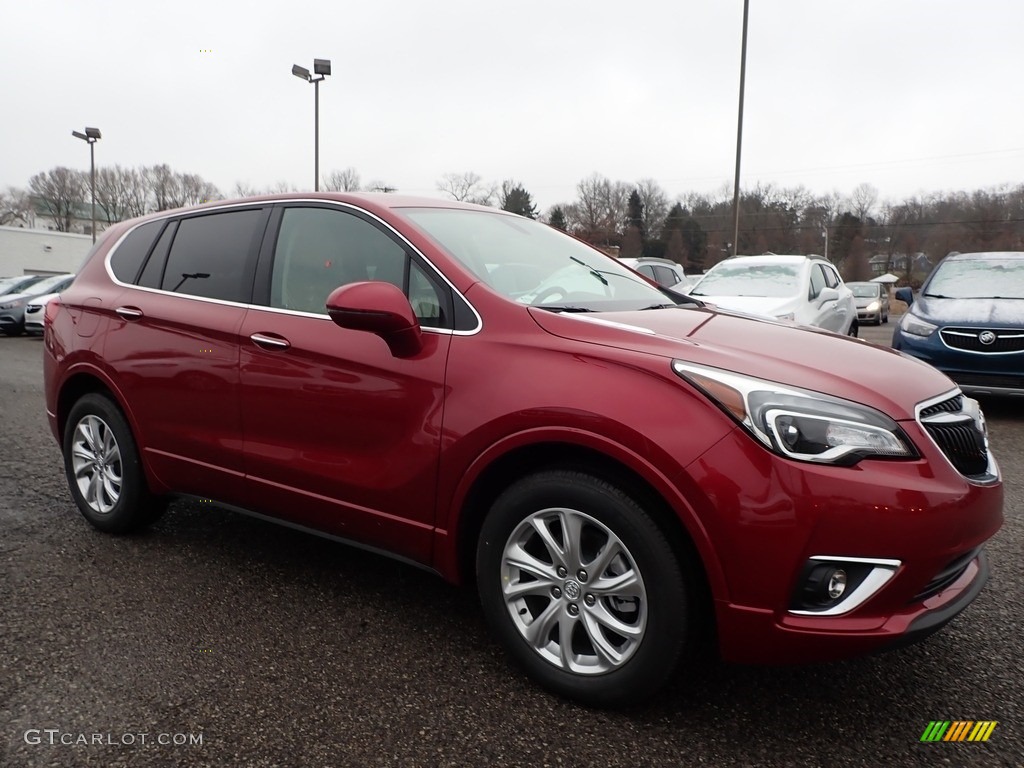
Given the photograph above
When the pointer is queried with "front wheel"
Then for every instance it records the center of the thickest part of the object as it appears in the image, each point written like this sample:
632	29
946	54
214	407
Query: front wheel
102	465
582	588
854	329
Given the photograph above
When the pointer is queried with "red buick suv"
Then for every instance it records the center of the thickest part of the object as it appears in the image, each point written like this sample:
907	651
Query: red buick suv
619	470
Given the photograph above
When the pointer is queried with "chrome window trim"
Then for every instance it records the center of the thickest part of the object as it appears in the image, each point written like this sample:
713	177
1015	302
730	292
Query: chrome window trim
188	212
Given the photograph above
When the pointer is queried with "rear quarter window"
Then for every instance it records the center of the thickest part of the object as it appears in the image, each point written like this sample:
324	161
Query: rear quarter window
127	258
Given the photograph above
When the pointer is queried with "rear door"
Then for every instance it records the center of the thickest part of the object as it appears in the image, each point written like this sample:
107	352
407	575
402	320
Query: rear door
340	435
173	345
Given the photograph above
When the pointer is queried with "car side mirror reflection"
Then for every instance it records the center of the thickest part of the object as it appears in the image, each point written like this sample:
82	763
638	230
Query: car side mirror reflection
381	309
905	294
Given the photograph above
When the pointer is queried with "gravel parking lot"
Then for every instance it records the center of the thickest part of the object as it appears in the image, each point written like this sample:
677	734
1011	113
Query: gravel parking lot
216	639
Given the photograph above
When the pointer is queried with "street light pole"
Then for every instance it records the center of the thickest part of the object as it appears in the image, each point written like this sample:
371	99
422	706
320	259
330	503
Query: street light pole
91	135
739	136
321	67
826	241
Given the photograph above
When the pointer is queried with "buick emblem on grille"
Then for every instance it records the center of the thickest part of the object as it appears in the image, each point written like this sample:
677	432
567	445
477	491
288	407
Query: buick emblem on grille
986	337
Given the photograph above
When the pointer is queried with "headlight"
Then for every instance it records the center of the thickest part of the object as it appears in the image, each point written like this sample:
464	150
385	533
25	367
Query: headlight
915	326
872	307
12	304
800	424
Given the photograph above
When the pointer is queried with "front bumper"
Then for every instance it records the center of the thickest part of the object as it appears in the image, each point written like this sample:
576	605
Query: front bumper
976	373
773	515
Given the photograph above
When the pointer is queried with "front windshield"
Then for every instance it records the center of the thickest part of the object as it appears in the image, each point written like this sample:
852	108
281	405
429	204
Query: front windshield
739	278
989	278
47	284
864	290
534	264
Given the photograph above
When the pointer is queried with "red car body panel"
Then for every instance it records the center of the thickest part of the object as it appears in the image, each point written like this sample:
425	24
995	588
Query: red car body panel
337	434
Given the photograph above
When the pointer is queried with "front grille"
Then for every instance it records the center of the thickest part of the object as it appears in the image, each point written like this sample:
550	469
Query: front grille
969	339
955	404
958	429
963	445
946	576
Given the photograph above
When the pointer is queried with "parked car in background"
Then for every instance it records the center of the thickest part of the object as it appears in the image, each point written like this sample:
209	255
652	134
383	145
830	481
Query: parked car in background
665	272
621	471
17	283
34	313
803	289
872	300
12	305
968	321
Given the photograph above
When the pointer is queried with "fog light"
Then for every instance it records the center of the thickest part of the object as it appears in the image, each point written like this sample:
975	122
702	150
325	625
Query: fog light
837	584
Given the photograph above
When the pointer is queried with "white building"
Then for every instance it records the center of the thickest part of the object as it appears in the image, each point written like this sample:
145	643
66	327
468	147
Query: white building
40	251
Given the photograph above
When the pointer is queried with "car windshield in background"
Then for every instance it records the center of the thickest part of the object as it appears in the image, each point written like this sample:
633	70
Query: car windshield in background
46	284
769	280
991	278
534	264
864	290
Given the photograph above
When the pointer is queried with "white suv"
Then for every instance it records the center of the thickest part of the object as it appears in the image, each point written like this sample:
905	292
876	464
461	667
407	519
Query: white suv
804	289
665	272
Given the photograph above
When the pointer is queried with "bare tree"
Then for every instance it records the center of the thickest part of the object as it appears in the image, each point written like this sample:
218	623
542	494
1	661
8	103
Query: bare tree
195	190
245	189
60	192
121	192
467	188
380	186
15	207
342	181
863	200
165	186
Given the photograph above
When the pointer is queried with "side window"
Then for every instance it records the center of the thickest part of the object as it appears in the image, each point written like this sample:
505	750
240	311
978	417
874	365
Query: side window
648	270
831	277
817	281
126	260
213	255
665	276
319	249
153	273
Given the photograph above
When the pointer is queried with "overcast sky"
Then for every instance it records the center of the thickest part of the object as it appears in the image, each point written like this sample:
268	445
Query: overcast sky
908	95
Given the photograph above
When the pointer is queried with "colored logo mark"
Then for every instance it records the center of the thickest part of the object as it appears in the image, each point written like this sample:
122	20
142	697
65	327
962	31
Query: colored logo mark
959	730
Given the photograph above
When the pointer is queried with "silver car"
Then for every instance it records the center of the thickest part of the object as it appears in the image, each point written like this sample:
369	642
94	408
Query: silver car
872	302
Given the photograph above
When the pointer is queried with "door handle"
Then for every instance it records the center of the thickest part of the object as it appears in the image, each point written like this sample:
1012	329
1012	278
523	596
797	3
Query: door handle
269	342
129	313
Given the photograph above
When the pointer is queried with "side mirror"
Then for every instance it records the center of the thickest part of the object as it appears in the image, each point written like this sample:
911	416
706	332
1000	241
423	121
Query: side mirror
828	294
906	295
380	308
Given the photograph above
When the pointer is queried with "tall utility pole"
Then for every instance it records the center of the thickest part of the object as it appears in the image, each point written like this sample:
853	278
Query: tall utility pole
91	135
739	137
321	67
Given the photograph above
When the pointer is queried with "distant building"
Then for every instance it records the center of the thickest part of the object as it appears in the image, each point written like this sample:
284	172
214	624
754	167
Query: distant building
40	216
897	264
39	251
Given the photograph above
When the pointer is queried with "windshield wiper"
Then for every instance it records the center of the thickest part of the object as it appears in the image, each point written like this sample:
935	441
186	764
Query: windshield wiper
593	271
563	308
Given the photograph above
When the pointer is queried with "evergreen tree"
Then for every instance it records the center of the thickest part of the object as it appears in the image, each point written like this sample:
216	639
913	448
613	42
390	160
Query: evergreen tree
557	218
516	199
635	214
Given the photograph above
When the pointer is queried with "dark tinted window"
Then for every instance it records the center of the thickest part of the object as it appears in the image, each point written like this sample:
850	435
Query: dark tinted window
153	273
831	277
127	258
212	255
646	269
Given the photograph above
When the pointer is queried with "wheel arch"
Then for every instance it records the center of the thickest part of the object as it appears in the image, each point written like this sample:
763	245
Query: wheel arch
527	459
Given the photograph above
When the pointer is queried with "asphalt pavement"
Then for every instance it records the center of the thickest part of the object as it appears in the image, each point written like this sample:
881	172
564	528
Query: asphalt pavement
215	639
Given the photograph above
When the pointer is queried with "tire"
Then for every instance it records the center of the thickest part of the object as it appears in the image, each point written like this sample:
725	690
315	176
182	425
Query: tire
885	318
854	329
612	643
104	473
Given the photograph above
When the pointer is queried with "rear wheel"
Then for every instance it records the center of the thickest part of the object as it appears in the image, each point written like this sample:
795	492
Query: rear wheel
582	588
102	465
854	329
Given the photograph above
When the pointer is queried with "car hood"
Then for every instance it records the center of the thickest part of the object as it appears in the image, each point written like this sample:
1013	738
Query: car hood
988	312
788	354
